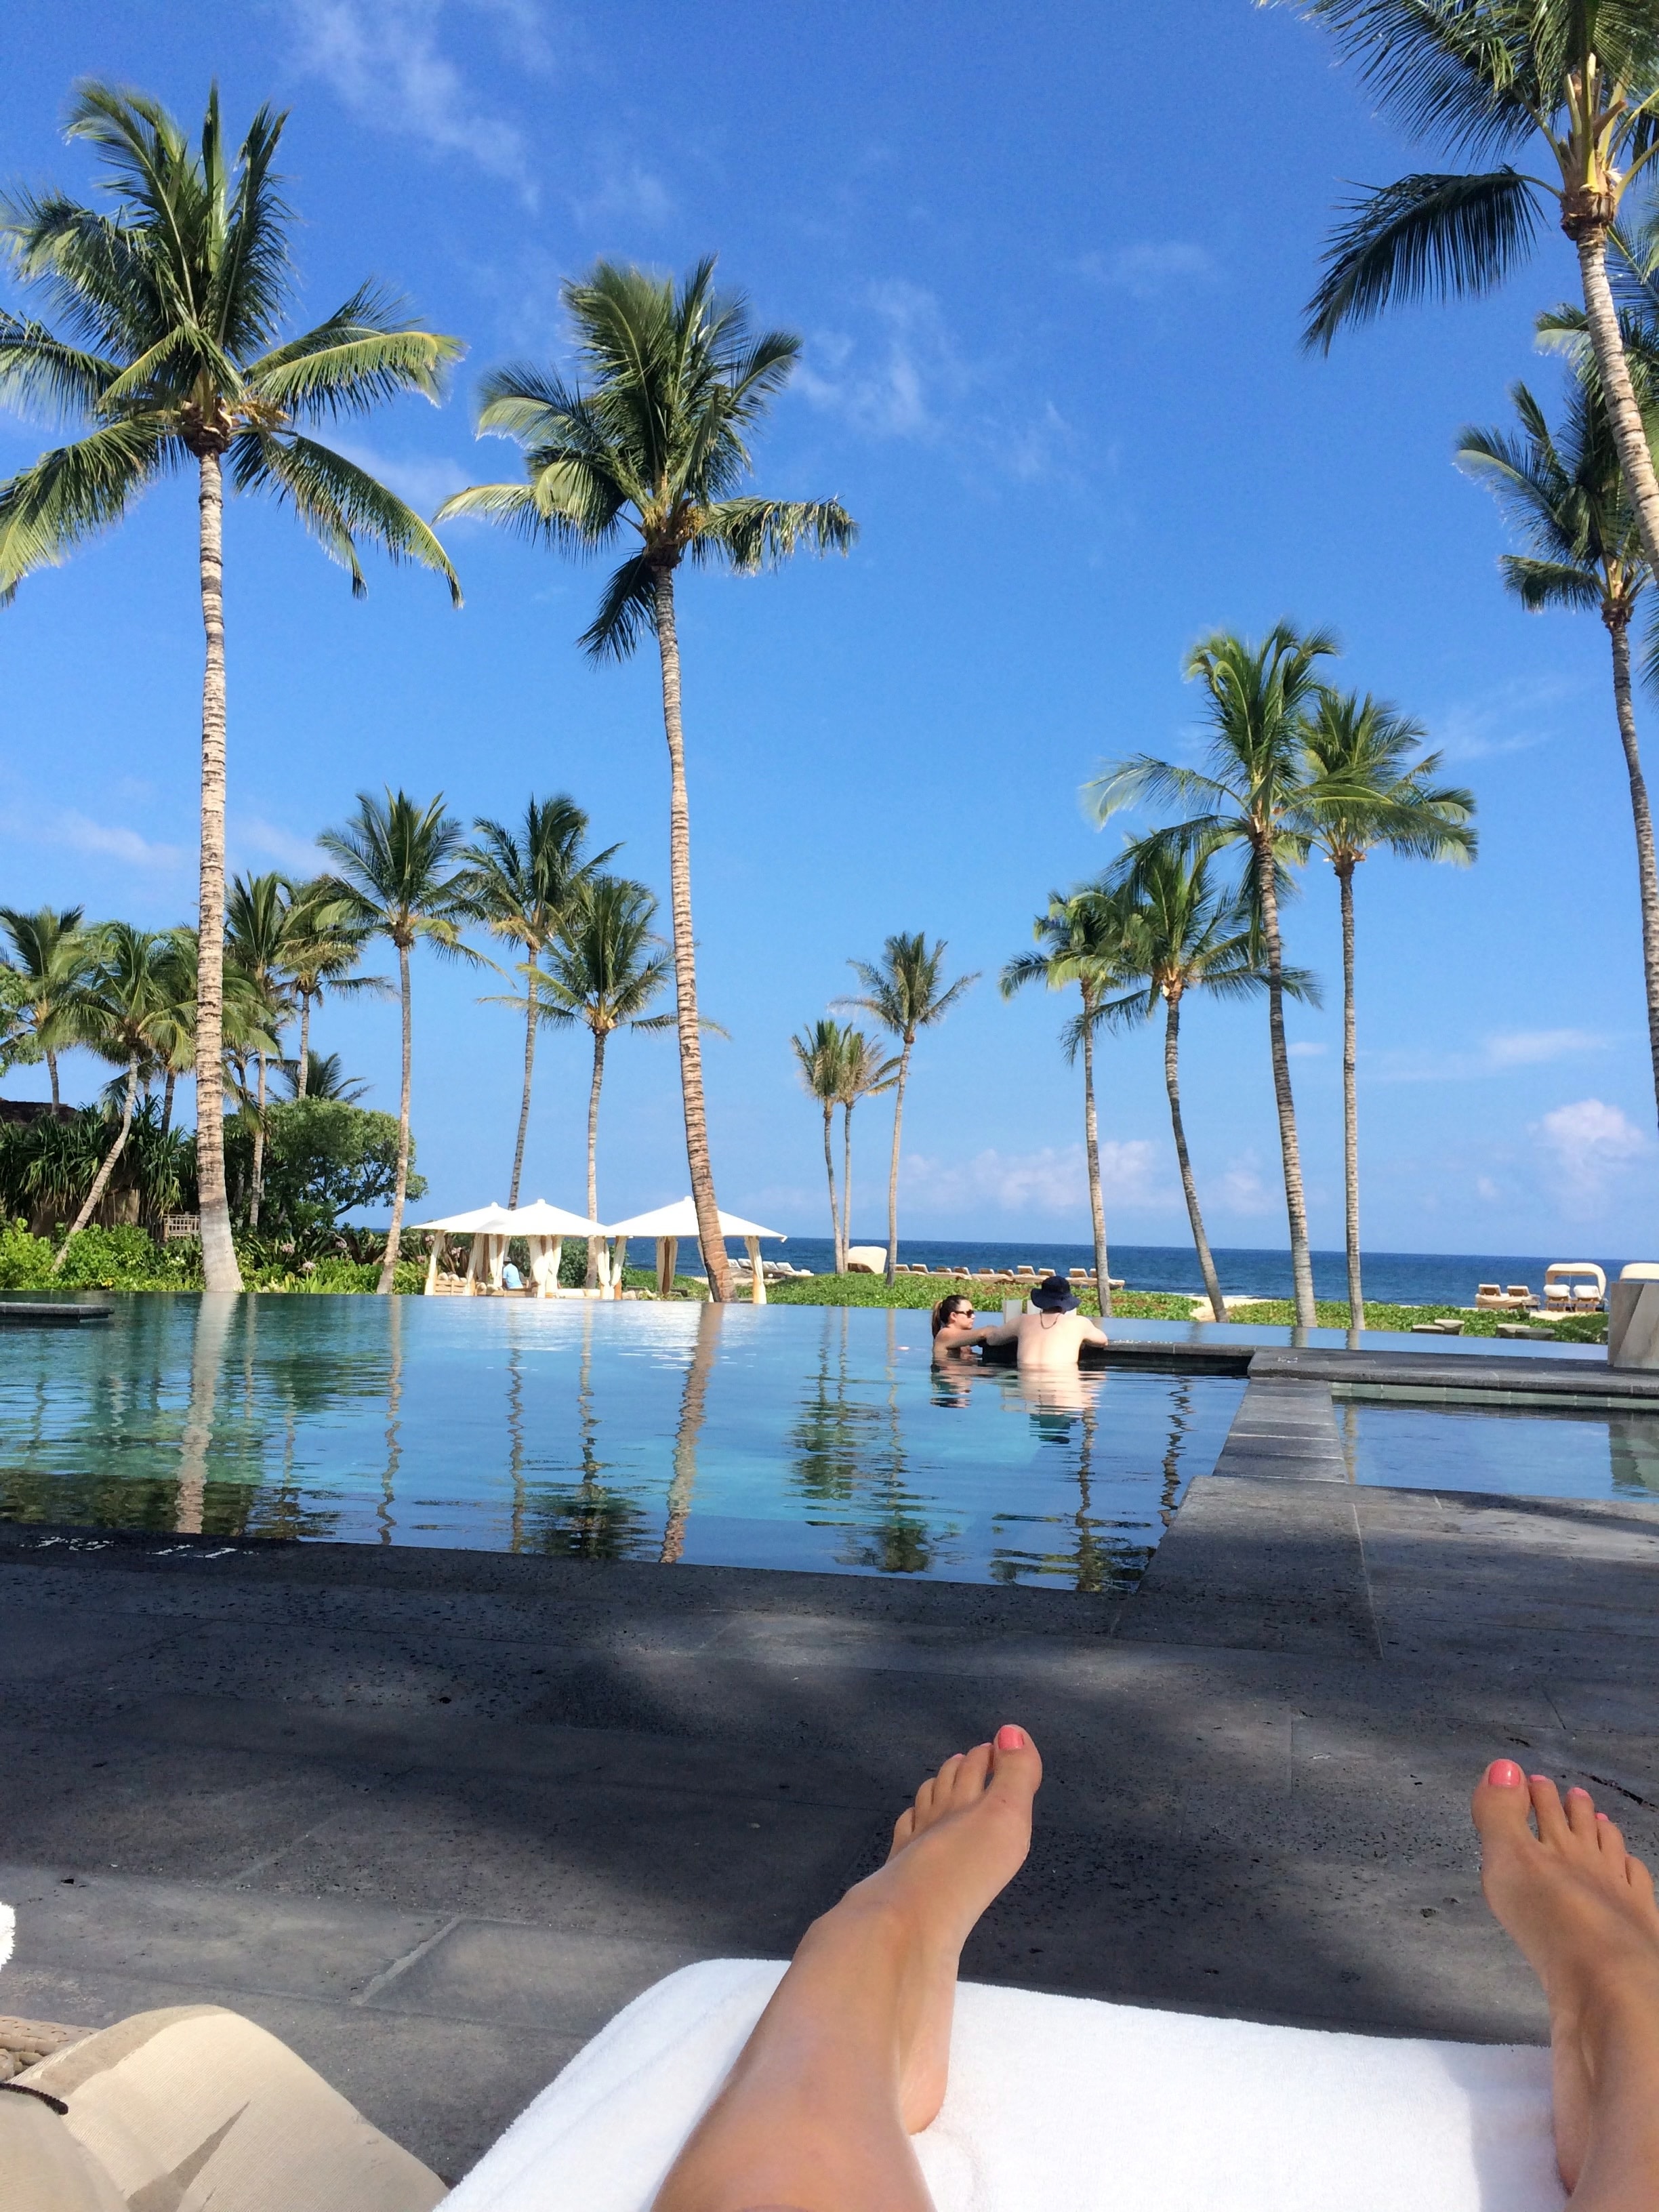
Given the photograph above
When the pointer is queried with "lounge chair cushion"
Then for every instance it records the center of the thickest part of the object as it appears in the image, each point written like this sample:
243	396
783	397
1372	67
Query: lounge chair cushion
1065	2102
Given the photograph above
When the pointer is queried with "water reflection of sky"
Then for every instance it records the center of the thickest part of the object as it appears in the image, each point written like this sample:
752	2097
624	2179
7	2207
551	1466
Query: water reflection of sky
1531	1453
793	1437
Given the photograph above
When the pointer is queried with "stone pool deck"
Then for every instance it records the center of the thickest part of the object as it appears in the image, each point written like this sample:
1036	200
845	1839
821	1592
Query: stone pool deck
431	1816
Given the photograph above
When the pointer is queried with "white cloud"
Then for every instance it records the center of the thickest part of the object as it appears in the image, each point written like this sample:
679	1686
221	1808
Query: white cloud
111	841
269	842
1053	1180
1534	1047
1150	268
1241	1188
626	193
384	60
1486	1188
1512	719
1495	1054
895	384
1588	1146
1307	1049
424	480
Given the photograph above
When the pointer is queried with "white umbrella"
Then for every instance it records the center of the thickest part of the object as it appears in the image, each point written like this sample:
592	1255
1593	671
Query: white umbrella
668	1223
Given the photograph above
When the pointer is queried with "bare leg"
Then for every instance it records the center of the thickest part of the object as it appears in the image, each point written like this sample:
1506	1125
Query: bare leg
1583	1910
848	2060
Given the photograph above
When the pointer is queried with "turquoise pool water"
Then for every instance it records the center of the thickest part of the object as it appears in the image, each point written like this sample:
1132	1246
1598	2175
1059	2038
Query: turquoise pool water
793	1437
1534	1454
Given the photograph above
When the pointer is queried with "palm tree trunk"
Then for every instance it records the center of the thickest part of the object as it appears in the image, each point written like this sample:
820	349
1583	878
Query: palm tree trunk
100	1181
219	1269
594	1242
1647	876
1349	1101
258	1191
52	1071
523	1108
893	1163
302	1080
1295	1204
394	1235
1183	1159
685	966
829	1170
846	1183
166	1102
1589	235
1091	1149
692	1404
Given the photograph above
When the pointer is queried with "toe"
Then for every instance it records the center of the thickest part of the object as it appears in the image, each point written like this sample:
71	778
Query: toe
1580	1810
1500	1804
922	1811
1610	1838
970	1775
1015	1766
903	1828
1553	1825
1636	1874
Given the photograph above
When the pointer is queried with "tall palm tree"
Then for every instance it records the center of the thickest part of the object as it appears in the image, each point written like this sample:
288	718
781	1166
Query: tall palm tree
655	443
905	991
1082	939
172	306
820	1052
398	880
604	969
523	882
323	1079
258	933
864	1074
52	959
1578	80
1187	934
325	945
1367	791
1565	495
1260	697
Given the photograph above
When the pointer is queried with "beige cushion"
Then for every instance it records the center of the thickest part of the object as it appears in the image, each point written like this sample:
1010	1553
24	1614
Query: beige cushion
43	2168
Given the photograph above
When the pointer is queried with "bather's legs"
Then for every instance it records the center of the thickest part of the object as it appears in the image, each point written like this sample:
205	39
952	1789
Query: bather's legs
1583	1910
848	2060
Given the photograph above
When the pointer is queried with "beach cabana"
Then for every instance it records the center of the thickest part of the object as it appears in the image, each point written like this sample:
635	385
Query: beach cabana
671	1225
491	1228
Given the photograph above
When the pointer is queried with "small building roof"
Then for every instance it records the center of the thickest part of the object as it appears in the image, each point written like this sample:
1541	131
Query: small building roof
483	1220
541	1220
680	1220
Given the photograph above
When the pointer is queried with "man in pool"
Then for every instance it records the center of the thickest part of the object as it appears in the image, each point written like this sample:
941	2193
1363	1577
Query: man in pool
849	2059
1049	1337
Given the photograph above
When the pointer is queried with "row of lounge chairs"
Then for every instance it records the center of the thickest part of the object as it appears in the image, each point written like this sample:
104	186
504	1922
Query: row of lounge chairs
1082	1277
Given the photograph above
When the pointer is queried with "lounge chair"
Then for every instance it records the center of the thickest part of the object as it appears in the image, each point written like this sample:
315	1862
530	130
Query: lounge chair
1078	1275
1520	1295
1489	1297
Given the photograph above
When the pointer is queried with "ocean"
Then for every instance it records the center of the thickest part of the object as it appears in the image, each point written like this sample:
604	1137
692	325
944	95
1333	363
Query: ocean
1407	1279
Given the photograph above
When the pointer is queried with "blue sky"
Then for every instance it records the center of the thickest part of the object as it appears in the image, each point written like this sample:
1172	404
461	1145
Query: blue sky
1047	265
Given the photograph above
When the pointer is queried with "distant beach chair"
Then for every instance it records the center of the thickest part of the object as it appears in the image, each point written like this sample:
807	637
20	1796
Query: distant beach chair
1488	1298
1078	1275
1520	1294
1022	1273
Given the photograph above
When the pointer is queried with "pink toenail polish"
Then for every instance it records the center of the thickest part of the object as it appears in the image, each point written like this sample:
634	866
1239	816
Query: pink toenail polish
1011	1739
1504	1774
1577	1792
1601	1816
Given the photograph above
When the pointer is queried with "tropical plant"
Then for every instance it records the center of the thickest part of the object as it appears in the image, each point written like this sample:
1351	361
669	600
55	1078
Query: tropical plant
1495	76
1260	697
655	443
820	1052
1564	494
398	879
1082	939
523	883
1187	934
171	305
905	991
1365	790
864	1074
325	1158
50	959
604	967
258	931
324	947
320	1075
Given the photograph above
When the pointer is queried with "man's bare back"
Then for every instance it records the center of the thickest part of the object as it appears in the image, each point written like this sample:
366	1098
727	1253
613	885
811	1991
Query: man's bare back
1051	1334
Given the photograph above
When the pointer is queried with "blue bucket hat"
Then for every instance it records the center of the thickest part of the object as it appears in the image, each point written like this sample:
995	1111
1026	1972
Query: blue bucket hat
1054	1295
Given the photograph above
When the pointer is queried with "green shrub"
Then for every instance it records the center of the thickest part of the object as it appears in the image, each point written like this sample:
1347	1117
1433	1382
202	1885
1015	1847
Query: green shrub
25	1261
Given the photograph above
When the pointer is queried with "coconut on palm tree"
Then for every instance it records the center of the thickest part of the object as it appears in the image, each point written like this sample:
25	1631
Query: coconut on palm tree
1575	82
397	878
172	305
1082	939
604	967
1366	789
524	882
864	1074
655	444
51	961
905	991
1260	697
323	950
820	1052
1566	496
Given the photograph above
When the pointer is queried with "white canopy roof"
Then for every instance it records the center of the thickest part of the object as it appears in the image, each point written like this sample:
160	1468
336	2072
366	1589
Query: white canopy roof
483	1221
540	1219
681	1220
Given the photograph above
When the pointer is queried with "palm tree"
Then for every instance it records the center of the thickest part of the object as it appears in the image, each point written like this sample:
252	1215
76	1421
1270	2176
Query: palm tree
604	969
325	945
905	991
397	880
120	1015
820	1051
52	959
258	929
1564	497
1083	941
864	1074
172	304
1580	76
1185	933
1364	792
523	883
323	1079
1260	697
655	444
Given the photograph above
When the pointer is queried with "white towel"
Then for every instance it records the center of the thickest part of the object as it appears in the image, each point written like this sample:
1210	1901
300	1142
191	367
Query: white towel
8	1932
1067	2105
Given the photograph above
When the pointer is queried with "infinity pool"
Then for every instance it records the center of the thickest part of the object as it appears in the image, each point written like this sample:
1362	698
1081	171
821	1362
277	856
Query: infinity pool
793	1437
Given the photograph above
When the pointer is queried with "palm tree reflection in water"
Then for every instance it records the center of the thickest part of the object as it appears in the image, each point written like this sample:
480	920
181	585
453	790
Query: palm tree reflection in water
213	1318
593	1521
692	1406
394	1450
515	1440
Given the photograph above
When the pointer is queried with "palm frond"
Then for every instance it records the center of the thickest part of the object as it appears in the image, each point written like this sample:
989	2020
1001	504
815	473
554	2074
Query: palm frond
366	354
339	503
1422	237
627	612
72	493
753	533
38	371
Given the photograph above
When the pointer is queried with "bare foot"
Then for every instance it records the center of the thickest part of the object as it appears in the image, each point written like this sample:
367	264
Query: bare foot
962	1840
1582	1910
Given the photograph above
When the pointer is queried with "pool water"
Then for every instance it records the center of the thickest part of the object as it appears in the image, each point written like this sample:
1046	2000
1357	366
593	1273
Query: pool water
791	1437
1534	1454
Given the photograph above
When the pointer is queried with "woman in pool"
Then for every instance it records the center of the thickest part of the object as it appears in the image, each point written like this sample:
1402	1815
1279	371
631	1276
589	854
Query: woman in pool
954	1332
